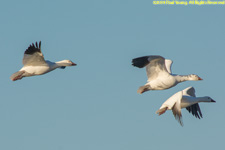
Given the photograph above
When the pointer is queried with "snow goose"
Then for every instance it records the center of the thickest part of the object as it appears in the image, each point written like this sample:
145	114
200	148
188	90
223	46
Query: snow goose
184	99
159	73
35	64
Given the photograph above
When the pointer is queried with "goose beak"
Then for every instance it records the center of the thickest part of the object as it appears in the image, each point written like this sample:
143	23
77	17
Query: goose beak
213	101
200	78
73	64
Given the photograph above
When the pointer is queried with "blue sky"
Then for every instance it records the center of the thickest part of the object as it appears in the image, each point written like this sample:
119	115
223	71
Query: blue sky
95	106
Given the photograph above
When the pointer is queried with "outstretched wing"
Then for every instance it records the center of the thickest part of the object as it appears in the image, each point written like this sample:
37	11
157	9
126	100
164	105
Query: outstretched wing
193	109
177	112
33	55
168	64
173	103
154	65
190	91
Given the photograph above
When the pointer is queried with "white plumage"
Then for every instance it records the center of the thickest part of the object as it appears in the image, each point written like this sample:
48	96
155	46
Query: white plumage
35	64
159	73
184	99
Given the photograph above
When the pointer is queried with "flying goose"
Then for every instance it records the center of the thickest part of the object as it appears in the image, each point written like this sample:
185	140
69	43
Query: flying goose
159	73
184	99
35	64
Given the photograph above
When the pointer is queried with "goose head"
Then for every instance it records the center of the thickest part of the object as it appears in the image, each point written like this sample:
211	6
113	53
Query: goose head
207	99
194	77
66	63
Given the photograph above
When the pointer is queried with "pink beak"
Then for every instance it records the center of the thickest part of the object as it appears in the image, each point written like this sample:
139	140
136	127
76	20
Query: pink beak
73	64
200	78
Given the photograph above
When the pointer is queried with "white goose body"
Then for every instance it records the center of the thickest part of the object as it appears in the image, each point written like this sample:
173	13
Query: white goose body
159	73
184	99
37	70
35	64
162	82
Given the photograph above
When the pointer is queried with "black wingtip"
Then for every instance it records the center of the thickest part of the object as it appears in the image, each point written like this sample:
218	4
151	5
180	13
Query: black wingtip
33	48
195	111
140	62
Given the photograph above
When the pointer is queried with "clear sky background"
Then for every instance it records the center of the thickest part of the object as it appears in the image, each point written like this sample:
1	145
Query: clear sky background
95	105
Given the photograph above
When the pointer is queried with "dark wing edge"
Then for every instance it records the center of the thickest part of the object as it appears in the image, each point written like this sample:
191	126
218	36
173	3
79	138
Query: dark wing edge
191	91
140	62
33	48
143	61
195	110
177	113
